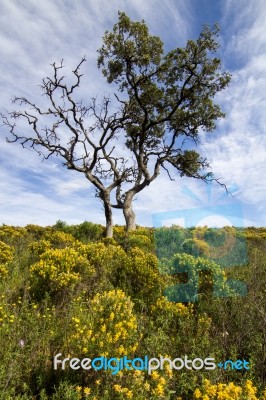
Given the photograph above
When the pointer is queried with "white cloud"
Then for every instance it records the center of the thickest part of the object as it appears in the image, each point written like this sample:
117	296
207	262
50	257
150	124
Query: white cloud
238	152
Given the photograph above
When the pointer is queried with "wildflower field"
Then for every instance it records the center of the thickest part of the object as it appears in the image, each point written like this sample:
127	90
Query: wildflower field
66	289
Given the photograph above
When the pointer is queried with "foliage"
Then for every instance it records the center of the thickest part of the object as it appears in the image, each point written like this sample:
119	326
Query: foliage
84	232
212	275
225	246
106	297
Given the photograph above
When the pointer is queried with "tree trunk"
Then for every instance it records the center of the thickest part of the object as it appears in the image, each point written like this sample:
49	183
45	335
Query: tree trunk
109	229
128	212
108	216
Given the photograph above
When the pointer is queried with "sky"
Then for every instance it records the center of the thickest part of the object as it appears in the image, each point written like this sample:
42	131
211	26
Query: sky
33	35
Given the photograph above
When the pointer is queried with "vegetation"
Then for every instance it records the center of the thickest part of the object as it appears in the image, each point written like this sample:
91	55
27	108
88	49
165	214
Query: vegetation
67	289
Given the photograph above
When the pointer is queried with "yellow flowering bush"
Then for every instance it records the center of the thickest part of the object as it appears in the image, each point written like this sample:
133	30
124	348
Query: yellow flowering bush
11	233
163	305
137	384
51	240
107	328
141	237
138	240
37	231
59	240
170	314
142	274
158	385
39	247
143	386
60	268
136	271
119	232
6	255
109	241
109	261
104	256
230	391
3	270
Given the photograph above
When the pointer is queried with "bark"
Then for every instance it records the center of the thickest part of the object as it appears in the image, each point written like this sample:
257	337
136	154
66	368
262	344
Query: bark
108	216
128	212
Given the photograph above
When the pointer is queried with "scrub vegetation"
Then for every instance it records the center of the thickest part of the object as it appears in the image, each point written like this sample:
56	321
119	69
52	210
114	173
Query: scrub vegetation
67	289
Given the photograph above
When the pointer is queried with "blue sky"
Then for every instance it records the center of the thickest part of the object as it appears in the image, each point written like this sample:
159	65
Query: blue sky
35	34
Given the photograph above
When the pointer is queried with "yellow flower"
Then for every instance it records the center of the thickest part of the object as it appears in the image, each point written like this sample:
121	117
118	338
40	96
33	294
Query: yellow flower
112	315
162	380
251	390
155	375
169	371
211	390
197	394
147	386
87	391
117	388
159	390
78	388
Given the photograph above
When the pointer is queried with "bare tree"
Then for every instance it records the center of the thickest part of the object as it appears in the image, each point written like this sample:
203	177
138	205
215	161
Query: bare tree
89	150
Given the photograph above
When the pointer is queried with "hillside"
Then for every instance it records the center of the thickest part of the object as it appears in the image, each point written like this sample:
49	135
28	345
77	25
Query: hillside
179	294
